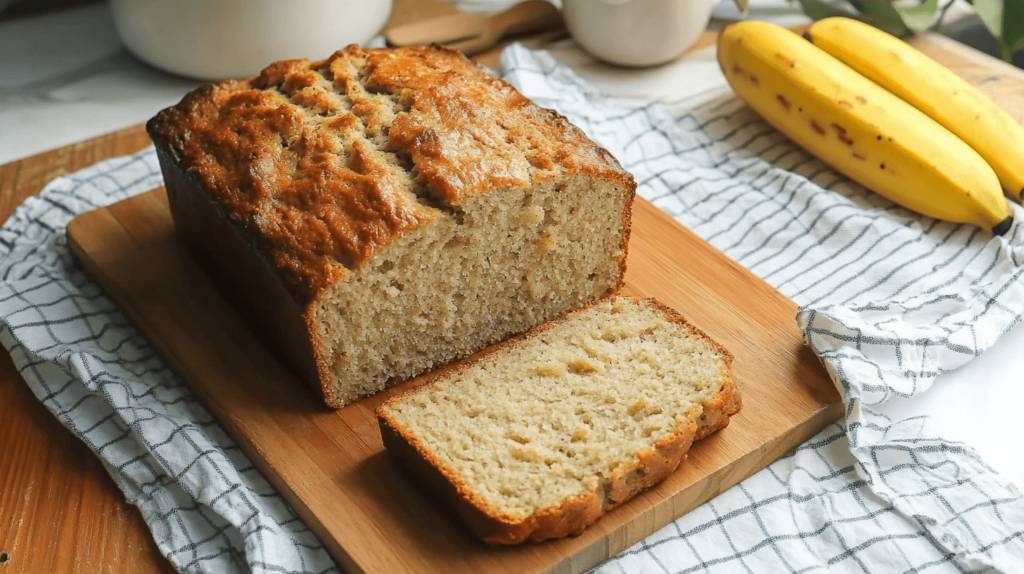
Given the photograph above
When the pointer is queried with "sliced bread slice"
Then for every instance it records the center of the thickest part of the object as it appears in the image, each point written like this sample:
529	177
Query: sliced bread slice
548	431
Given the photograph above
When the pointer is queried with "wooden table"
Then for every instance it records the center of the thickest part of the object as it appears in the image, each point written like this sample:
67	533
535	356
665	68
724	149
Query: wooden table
59	509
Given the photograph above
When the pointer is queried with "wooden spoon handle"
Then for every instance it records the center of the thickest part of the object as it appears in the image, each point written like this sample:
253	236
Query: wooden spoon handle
442	29
532	16
526	18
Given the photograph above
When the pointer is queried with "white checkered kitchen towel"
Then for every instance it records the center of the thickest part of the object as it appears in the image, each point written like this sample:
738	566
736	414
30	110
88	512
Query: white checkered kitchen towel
902	299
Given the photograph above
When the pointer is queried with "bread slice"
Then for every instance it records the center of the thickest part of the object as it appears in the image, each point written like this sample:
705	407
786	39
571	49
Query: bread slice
548	431
383	212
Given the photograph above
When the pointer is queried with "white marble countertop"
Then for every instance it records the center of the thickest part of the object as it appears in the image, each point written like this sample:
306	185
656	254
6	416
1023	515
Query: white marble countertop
65	77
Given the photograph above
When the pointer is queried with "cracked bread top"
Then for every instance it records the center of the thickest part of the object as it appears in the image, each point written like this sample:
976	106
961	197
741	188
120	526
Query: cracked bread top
322	164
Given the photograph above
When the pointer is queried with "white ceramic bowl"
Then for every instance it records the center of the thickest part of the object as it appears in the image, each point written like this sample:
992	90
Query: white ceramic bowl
637	32
218	39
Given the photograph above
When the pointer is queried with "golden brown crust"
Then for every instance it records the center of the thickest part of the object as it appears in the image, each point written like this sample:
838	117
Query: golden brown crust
313	162
577	513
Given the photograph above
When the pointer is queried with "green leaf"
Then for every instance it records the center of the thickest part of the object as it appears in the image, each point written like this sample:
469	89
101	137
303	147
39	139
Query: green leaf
900	20
1005	19
742	5
991	14
817	10
1013	27
920	17
882	14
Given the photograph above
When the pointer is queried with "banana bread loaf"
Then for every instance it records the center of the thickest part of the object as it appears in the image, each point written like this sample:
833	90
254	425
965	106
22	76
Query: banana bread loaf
545	433
382	212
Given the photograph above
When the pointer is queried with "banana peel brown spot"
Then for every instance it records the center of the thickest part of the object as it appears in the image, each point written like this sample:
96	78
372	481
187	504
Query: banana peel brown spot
817	127
785	103
754	80
845	104
789	61
858	156
841	134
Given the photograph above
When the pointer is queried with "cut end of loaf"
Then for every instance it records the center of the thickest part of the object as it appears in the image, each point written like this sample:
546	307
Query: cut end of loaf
499	264
547	432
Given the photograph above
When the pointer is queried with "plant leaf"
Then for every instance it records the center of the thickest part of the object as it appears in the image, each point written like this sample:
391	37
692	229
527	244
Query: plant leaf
920	17
991	14
1013	27
882	14
1005	19
741	5
817	10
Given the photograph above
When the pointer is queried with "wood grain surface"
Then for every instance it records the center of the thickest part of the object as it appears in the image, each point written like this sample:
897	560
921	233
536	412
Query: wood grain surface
59	510
331	465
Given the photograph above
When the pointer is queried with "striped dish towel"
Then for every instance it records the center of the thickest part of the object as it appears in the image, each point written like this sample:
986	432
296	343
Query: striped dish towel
889	299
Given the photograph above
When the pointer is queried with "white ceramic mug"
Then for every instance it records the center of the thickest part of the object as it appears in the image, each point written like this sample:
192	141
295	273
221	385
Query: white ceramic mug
218	39
637	32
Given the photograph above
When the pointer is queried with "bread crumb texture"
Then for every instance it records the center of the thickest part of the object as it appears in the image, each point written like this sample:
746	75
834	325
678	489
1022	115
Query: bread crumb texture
566	411
501	265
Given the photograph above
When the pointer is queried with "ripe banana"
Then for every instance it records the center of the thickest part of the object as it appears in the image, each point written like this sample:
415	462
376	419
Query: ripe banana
931	88
858	128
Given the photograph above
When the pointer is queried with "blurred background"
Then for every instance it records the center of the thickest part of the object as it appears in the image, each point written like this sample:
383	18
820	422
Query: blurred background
66	75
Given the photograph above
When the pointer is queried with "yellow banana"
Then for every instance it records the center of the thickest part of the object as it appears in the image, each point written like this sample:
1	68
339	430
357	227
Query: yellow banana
859	128
931	88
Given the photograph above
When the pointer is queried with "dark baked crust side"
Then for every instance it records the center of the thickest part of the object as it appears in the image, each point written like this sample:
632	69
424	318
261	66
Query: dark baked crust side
576	514
245	279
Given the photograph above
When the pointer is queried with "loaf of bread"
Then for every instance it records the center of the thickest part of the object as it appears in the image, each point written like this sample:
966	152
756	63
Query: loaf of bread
546	432
382	212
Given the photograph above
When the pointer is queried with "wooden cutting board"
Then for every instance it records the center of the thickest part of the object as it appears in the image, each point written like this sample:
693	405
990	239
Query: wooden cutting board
331	466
